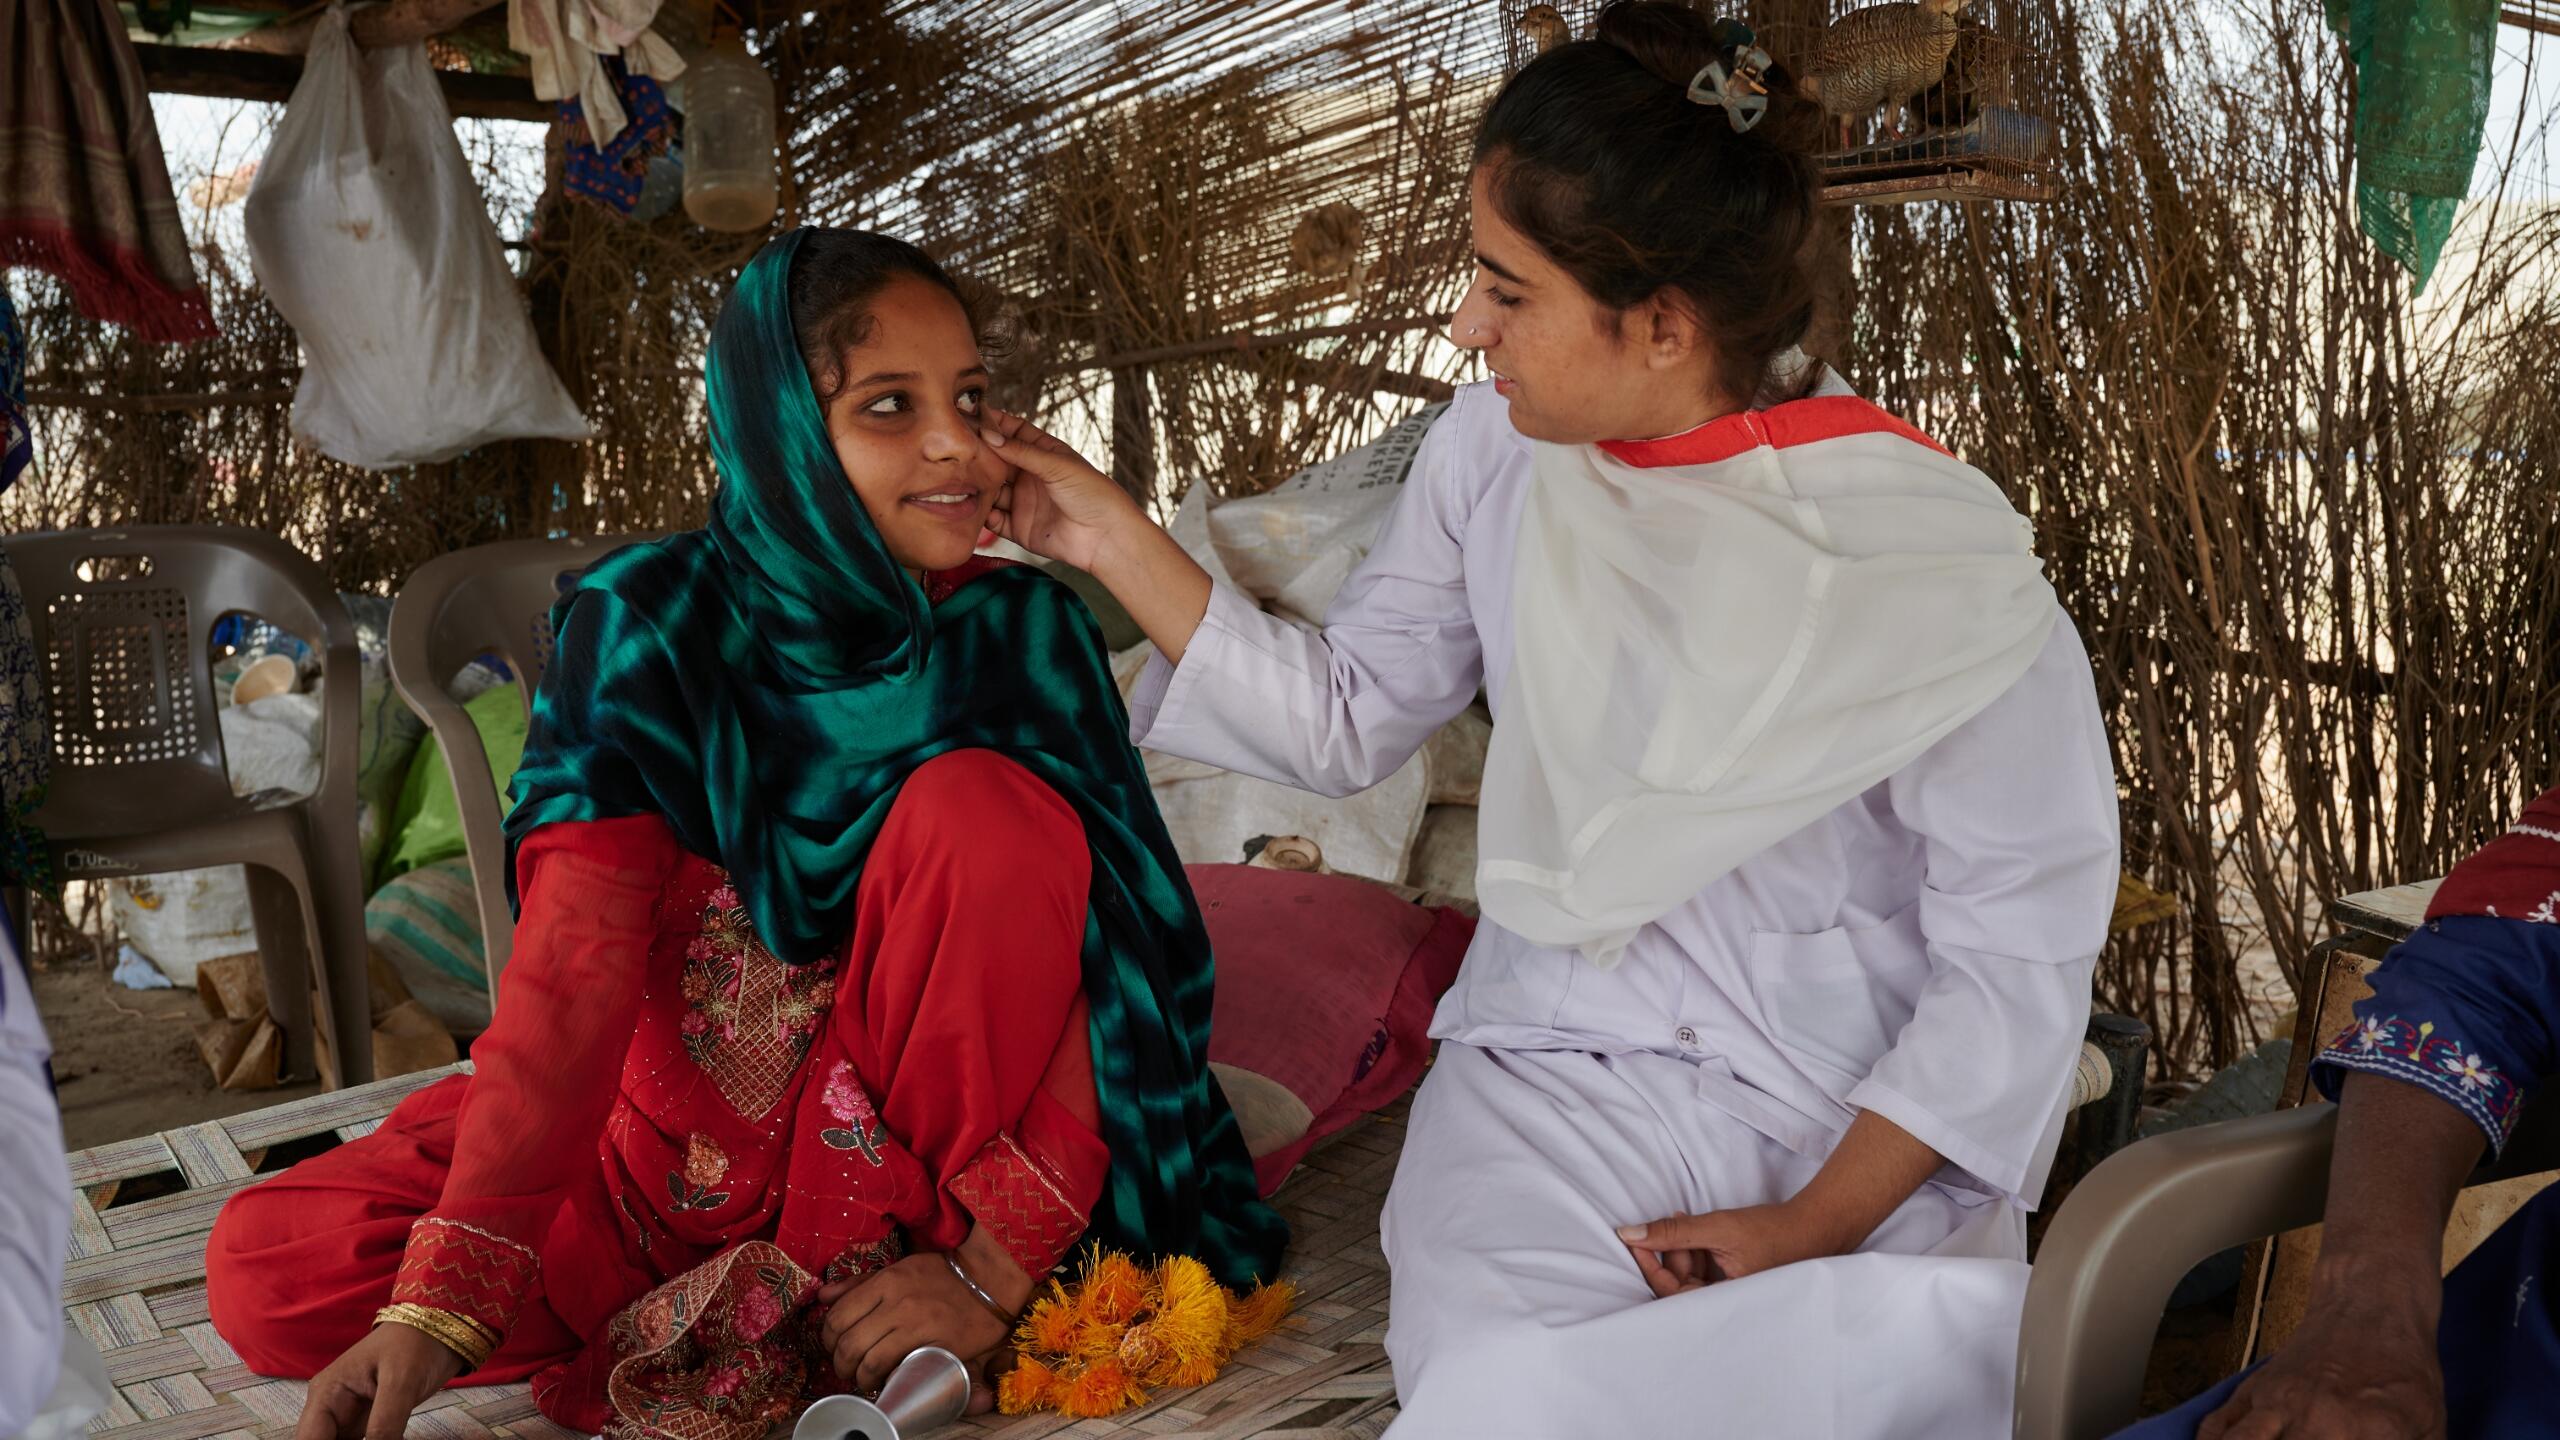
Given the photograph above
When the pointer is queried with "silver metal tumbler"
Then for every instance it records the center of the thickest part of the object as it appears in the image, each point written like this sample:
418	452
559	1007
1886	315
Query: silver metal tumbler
928	1390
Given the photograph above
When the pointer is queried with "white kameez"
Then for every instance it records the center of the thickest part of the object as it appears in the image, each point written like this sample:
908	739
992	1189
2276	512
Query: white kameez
1923	951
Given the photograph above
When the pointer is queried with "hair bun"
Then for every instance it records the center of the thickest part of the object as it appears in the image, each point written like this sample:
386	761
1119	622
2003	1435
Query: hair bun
1671	40
1674	43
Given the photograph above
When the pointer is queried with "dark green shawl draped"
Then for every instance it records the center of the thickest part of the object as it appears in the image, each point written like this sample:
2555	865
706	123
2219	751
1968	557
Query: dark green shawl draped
766	685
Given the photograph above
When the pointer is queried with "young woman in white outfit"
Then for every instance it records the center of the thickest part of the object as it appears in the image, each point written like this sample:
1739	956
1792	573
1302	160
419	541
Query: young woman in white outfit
1799	829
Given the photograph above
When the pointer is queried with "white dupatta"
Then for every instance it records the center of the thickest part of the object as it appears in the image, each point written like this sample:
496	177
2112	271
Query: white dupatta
1720	638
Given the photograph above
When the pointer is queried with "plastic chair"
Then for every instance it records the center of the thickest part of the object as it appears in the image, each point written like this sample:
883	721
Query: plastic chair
2150	1214
121	620
490	599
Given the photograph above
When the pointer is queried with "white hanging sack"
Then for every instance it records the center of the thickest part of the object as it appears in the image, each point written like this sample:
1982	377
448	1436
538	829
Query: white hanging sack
372	240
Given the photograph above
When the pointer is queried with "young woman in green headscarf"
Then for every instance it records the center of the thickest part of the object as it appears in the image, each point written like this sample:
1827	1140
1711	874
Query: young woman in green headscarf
855	982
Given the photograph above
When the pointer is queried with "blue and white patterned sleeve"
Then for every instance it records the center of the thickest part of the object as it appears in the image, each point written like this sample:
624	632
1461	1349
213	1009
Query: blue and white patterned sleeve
2466	1009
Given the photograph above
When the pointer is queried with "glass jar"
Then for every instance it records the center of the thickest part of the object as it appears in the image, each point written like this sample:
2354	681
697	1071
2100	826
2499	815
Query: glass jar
728	139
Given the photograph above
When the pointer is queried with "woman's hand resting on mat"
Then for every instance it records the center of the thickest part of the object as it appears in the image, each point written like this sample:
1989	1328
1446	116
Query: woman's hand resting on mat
1056	505
876	1321
370	1390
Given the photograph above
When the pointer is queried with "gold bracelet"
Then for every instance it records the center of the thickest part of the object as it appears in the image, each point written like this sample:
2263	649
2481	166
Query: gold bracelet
459	1333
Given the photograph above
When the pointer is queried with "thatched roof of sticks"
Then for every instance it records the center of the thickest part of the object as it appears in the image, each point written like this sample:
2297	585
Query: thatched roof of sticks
1128	178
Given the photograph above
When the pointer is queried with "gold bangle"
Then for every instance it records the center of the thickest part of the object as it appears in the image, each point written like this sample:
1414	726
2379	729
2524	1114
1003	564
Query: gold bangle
461	1334
480	1331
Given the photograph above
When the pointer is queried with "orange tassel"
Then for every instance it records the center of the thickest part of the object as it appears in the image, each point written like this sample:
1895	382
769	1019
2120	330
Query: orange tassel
1101	1388
1028	1386
1050	1328
1261	1312
1096	1348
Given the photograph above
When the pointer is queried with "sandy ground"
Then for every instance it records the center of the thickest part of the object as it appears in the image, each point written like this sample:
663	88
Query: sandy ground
125	1061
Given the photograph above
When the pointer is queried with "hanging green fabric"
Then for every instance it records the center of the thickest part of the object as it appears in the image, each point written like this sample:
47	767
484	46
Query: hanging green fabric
2422	100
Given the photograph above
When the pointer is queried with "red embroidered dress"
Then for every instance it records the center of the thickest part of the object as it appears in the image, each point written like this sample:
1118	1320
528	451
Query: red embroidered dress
673	1138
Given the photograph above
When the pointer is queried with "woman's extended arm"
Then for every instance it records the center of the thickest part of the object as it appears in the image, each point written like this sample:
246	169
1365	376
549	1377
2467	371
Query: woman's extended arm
1334	712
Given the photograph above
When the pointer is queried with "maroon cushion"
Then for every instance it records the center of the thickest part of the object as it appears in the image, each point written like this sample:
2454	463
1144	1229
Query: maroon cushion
1326	984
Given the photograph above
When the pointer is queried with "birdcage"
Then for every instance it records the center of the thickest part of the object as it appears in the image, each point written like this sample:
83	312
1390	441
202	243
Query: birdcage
1931	99
1928	99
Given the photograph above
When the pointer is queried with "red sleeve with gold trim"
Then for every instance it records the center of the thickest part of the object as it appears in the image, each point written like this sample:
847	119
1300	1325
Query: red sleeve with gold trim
546	1071
1025	1204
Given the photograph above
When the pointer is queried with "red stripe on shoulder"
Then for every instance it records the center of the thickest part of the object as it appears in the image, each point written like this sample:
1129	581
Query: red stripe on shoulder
1798	422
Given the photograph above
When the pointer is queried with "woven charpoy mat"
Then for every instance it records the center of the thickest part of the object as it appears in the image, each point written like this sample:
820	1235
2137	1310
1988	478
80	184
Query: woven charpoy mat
135	1287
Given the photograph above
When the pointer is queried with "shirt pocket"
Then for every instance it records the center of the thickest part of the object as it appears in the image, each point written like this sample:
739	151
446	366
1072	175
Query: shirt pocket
1837	998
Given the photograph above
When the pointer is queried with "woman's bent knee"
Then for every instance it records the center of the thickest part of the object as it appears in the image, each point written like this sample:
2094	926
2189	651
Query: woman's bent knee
973	802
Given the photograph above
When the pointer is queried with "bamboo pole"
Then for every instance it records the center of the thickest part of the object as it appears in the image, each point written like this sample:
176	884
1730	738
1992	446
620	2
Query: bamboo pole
162	403
400	22
1247	343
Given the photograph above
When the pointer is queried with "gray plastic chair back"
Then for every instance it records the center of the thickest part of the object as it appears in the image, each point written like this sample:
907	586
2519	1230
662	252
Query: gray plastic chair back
487	600
123	621
2138	1223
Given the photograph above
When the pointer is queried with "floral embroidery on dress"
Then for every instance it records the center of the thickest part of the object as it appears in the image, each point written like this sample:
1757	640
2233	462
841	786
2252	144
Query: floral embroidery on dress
860	1260
705	1165
749	1018
721	1352
857	1125
2416	1052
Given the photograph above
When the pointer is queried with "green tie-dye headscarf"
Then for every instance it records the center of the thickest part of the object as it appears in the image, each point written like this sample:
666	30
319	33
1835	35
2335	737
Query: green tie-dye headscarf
767	684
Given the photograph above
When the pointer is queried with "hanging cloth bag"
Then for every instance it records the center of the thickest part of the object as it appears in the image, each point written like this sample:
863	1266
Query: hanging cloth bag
371	238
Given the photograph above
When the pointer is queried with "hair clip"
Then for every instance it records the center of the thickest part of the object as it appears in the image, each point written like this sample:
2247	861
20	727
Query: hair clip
1742	89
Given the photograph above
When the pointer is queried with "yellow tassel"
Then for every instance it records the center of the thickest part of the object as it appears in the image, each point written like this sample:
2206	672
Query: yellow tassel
1114	1289
1192	1325
1261	1312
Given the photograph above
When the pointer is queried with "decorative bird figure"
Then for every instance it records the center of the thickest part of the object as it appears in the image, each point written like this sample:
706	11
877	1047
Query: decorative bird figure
1327	243
1880	55
1544	28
